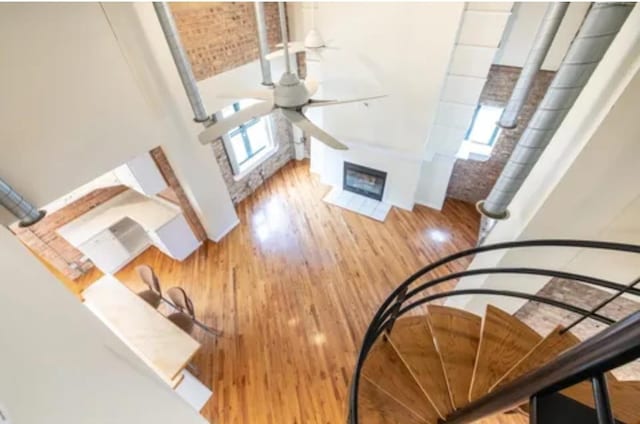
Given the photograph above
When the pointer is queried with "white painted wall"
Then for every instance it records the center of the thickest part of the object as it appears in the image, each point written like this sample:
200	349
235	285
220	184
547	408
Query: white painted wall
402	169
584	186
382	48
80	98
433	181
478	40
522	29
60	364
392	46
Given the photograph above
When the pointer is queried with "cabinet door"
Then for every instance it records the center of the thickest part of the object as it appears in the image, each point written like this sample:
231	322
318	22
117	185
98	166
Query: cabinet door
142	175
106	252
177	238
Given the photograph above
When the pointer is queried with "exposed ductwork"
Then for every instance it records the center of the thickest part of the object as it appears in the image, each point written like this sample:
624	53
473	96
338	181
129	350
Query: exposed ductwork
598	30
18	206
263	44
541	44
182	62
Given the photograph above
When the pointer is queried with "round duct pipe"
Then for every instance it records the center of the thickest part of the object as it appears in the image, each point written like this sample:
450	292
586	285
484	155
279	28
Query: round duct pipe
541	44
18	206
596	34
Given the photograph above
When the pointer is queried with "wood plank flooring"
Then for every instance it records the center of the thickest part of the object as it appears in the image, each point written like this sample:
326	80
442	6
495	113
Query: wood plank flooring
293	287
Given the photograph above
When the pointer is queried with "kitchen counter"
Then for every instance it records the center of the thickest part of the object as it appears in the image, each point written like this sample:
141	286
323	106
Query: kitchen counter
150	213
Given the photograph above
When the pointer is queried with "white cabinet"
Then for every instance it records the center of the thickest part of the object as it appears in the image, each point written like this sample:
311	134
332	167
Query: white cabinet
142	175
106	252
175	238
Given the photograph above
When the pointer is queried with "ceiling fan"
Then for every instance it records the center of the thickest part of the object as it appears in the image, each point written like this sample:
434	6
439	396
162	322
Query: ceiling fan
291	95
313	47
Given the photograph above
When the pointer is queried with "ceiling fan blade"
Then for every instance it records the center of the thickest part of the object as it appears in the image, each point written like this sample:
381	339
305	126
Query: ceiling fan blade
318	103
294	47
311	85
308	127
220	128
259	94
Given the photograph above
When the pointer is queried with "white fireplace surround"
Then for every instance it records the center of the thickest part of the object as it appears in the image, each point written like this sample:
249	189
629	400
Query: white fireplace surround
403	169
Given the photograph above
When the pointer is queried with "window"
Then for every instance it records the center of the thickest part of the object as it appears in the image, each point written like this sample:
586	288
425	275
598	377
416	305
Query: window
484	125
481	134
247	144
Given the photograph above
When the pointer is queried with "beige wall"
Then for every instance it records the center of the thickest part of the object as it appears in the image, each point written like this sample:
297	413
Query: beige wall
59	364
92	87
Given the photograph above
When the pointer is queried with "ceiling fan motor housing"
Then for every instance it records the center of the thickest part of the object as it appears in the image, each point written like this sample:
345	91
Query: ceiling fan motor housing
290	92
313	40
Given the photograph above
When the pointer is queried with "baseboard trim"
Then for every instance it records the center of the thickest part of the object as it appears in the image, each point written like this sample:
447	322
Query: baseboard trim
429	205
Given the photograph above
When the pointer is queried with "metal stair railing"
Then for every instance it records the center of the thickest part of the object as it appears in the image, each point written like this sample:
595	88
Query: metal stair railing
403	300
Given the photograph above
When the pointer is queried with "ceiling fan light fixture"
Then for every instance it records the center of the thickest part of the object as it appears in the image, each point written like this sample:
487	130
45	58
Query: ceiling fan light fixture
290	91
314	40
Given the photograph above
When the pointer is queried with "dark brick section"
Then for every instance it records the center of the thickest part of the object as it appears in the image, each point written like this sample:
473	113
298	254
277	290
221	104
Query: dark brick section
544	318
283	137
472	180
222	36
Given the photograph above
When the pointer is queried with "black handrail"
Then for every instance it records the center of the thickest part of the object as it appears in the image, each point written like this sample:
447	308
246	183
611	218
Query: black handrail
400	294
602	304
526	271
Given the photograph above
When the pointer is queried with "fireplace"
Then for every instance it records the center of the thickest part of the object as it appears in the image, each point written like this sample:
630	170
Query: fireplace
362	180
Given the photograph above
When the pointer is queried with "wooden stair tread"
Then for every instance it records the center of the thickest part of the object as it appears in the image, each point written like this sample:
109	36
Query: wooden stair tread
377	407
456	334
387	371
504	341
412	339
624	395
550	347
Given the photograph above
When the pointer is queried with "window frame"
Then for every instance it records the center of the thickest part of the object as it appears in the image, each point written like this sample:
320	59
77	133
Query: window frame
254	158
494	134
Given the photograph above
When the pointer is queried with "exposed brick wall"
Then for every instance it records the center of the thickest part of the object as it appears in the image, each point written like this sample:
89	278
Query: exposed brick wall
544	318
282	136
176	194
472	180
43	240
222	36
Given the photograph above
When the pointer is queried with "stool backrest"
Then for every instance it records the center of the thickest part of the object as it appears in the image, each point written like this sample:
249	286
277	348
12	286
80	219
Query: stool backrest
179	298
146	274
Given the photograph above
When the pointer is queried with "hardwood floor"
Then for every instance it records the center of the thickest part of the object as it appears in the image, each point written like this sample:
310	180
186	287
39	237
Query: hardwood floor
293	287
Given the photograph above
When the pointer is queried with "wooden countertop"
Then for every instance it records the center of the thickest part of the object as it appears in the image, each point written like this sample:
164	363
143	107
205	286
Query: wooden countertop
150	213
156	340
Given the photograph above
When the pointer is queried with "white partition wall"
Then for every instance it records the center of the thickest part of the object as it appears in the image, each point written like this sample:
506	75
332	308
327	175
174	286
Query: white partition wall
59	364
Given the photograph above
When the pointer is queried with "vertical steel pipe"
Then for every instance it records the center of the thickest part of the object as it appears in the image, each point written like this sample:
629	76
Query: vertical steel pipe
263	44
541	44
602	400
285	37
181	60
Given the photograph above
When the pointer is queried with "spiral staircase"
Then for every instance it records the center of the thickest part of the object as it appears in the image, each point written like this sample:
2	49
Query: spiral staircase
427	364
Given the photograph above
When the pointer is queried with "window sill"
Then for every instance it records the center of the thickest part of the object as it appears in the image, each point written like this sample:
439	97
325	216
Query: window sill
254	162
474	151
